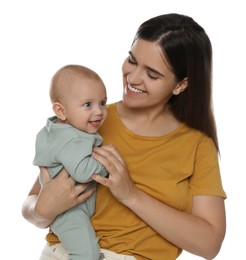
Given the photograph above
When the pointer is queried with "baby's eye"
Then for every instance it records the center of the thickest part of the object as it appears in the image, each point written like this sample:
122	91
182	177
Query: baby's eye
103	103
87	104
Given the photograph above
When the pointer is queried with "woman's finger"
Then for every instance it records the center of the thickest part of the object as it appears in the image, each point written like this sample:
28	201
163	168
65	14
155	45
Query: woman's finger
45	176
63	174
101	180
80	188
111	149
83	196
109	158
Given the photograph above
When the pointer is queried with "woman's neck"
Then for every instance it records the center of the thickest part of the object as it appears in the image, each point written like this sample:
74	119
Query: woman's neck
148	121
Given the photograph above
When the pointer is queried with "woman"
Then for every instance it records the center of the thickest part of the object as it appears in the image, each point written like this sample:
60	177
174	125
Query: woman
164	190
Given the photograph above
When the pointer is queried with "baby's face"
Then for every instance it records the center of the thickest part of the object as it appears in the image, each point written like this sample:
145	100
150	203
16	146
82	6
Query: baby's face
85	104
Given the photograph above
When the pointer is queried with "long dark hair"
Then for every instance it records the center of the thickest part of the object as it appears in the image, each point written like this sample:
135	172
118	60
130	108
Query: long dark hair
188	50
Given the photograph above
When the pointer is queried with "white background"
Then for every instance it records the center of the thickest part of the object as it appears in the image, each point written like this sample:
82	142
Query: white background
38	37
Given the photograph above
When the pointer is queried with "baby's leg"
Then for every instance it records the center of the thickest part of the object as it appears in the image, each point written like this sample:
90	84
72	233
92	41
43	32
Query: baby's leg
76	233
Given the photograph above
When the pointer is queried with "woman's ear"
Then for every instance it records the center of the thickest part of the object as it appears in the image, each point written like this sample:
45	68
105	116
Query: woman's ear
182	85
59	110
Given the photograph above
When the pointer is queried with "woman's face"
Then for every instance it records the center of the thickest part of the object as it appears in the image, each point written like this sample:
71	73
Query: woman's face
148	79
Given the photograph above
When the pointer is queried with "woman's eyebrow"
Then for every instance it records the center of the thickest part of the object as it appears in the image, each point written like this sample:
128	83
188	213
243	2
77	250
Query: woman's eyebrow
147	67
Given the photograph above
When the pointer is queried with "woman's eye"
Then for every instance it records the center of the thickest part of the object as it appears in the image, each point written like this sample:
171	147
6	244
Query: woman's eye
152	76
131	60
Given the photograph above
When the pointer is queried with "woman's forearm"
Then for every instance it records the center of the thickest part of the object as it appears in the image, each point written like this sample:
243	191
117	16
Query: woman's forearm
36	208
56	196
30	214
199	233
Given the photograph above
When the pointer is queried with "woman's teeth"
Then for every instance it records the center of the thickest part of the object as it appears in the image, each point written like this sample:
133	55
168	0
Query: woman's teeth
134	89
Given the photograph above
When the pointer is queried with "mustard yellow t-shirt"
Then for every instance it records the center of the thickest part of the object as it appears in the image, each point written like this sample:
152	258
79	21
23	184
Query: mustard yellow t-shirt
171	168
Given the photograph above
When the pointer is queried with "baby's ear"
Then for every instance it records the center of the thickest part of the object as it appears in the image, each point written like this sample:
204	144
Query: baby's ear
59	110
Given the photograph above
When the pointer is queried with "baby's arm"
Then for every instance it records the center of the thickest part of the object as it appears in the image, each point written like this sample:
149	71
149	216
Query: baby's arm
76	157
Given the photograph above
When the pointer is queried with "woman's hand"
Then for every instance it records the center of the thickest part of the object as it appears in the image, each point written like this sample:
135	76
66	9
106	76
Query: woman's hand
55	196
119	181
59	194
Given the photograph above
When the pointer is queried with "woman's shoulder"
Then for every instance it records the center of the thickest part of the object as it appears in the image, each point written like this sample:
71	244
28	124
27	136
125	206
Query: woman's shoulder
196	135
111	106
112	112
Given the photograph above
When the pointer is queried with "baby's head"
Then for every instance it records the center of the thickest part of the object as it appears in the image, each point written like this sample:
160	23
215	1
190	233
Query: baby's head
78	96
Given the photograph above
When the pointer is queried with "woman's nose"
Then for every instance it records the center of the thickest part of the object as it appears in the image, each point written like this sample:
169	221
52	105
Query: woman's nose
135	77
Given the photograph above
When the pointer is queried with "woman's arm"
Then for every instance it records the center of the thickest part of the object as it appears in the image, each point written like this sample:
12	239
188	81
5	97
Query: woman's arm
200	232
57	195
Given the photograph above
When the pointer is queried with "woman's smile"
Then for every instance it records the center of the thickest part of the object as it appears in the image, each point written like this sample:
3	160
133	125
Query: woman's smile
134	90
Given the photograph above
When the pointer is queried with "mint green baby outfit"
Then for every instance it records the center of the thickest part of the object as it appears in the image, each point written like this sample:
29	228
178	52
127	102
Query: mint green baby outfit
61	145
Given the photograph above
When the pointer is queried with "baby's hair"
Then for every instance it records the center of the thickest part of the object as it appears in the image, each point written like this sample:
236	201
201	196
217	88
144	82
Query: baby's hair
64	76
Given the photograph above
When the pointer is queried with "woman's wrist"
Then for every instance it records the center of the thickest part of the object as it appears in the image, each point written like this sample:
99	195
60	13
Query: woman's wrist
40	220
133	200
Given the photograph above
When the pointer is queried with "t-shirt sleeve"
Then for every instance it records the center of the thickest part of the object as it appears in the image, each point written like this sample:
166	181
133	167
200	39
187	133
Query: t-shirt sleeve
206	178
